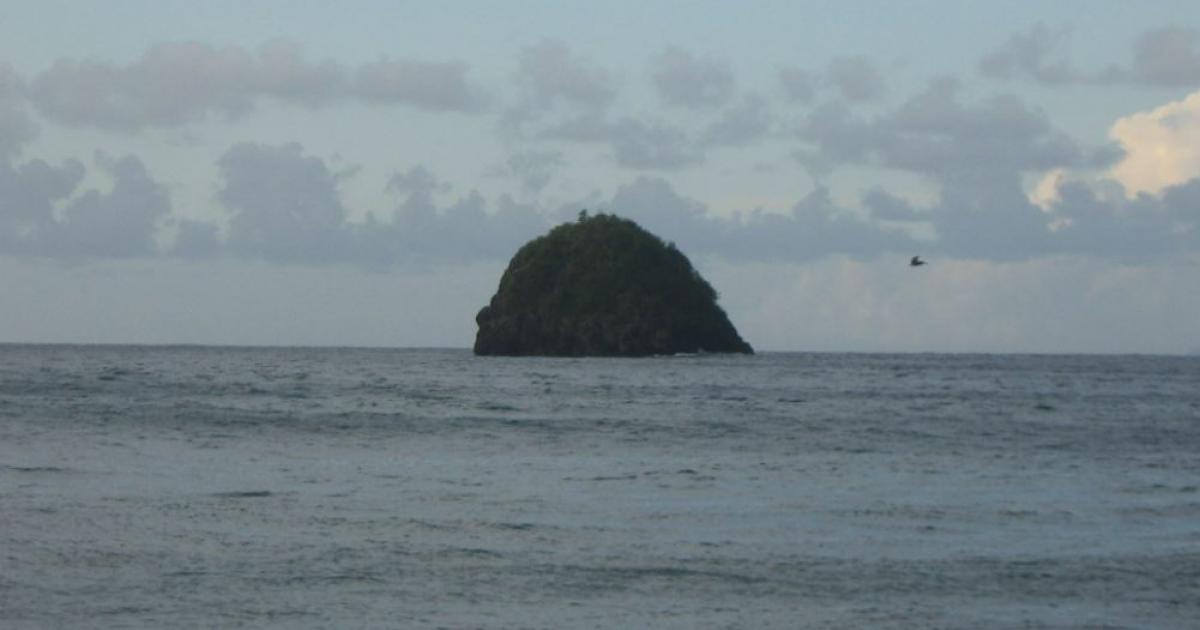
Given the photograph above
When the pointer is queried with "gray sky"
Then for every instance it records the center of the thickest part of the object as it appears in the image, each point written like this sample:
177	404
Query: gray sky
305	173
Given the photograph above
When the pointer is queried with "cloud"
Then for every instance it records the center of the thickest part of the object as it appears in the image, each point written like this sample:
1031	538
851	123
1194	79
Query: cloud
1098	225
1168	57
422	232
634	143
856	78
29	194
549	75
418	183
284	206
685	80
978	155
12	85
656	144
1162	146
853	78
16	127
120	223
814	227
885	206
195	240
533	169
799	85
933	133
1031	54
174	84
178	83
741	124
430	85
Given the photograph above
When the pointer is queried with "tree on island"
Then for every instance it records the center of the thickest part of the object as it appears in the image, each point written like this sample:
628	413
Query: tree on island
603	286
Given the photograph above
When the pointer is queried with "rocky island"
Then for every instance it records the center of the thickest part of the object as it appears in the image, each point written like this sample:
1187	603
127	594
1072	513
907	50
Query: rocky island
603	286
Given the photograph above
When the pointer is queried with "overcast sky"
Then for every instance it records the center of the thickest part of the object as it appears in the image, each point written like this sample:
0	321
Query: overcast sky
359	173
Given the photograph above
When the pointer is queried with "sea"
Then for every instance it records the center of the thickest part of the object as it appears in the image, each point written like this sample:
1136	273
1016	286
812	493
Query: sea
205	487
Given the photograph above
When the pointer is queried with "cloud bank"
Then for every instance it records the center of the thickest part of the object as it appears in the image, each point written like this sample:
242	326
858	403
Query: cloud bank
175	84
283	205
1163	57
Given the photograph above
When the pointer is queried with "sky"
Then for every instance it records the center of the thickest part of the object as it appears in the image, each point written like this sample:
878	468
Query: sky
359	174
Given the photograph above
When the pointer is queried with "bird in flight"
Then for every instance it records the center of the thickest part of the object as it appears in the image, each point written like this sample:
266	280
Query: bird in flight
916	262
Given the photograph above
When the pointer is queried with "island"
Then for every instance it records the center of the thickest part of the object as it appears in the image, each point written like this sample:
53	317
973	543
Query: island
603	286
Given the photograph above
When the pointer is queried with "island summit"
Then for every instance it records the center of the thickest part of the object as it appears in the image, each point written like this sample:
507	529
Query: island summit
603	286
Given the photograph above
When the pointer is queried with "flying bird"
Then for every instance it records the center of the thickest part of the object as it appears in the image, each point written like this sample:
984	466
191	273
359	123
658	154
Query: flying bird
916	262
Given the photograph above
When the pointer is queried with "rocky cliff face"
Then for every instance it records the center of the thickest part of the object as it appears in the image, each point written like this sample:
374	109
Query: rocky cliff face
603	286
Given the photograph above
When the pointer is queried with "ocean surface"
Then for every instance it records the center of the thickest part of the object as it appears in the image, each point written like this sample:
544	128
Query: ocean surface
164	487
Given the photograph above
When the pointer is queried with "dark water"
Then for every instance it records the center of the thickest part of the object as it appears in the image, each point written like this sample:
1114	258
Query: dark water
297	488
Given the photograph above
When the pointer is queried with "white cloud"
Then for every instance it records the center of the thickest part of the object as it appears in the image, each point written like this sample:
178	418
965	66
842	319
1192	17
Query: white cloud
1162	146
1045	193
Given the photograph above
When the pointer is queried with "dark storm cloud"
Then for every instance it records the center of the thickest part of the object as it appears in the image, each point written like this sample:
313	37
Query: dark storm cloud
178	83
685	80
1168	56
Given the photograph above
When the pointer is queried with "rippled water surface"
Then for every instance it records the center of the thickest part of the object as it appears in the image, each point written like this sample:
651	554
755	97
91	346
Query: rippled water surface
331	488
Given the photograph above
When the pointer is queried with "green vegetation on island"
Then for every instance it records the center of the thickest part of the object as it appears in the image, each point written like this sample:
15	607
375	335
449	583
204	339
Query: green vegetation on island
603	286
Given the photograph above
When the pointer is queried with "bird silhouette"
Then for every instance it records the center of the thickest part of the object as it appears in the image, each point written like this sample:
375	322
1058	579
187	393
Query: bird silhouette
916	262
